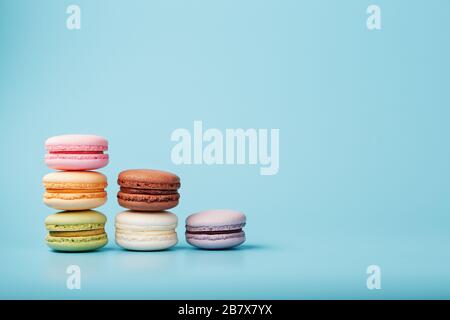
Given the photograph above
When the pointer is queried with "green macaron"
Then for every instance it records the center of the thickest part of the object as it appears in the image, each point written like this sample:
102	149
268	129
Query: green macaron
76	231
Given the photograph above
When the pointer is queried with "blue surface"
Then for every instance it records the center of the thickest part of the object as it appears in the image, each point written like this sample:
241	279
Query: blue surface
364	130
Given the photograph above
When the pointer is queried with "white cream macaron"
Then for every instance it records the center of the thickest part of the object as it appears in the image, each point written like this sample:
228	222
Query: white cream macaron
146	231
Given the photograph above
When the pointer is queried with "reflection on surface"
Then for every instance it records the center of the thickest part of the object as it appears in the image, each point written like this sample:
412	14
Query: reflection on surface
214	259
135	261
91	263
112	259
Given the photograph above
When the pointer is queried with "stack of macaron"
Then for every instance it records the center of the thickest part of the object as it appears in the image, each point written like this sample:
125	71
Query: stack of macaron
75	190
147	226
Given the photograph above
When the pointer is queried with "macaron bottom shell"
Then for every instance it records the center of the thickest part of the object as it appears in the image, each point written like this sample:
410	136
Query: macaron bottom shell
76	204
72	163
147	243
77	244
216	241
152	205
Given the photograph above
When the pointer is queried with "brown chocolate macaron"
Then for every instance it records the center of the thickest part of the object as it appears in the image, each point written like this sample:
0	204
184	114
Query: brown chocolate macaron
148	190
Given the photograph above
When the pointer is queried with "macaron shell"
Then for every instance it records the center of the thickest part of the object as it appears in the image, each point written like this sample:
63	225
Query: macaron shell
148	179
76	162
218	241
76	142
78	204
143	221
78	244
68	218
146	243
152	203
74	180
215	218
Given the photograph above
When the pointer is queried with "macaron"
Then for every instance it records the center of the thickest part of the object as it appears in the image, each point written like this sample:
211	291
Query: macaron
74	190
215	229
143	231
148	190
76	231
76	152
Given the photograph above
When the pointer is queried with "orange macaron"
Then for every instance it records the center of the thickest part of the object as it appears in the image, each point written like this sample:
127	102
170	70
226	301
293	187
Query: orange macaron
74	190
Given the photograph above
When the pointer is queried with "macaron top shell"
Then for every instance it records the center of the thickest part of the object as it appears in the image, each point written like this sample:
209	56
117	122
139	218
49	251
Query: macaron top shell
76	142
75	180
218	218
163	220
148	179
76	217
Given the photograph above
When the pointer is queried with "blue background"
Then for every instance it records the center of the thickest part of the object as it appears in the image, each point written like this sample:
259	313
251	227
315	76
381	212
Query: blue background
364	128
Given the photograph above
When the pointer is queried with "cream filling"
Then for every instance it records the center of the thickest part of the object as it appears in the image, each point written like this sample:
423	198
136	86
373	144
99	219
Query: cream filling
74	196
100	237
134	228
74	227
130	235
75	185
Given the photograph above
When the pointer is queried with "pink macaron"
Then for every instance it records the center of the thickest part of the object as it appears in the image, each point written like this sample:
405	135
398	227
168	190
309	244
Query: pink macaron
215	229
76	152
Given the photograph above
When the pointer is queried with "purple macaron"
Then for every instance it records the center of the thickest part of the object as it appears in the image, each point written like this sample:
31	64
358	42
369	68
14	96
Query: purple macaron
215	229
